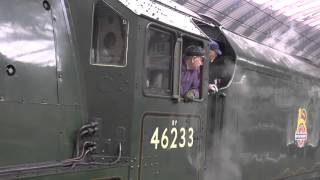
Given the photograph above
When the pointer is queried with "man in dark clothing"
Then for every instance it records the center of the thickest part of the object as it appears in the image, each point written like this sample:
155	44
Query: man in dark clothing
214	52
190	72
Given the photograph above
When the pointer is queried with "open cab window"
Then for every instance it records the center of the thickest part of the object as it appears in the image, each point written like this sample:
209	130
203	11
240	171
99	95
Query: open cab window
191	78
110	37
158	62
221	71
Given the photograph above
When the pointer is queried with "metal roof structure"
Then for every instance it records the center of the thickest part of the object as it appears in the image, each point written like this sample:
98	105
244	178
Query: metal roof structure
164	14
291	26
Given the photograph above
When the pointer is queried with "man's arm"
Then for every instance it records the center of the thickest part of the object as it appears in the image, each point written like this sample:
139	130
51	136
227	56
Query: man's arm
195	86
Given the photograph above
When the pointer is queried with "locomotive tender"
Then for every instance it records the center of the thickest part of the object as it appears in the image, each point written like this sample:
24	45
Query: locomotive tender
100	97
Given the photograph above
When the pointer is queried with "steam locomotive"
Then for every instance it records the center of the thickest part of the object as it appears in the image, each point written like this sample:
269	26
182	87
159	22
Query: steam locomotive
90	90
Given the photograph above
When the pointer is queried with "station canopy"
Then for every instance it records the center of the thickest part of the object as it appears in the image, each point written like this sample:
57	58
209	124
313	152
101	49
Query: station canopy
291	26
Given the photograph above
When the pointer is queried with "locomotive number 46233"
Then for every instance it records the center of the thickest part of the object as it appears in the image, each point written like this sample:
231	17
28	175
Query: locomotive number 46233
172	138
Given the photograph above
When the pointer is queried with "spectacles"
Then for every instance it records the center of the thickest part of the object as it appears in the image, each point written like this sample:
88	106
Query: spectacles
202	58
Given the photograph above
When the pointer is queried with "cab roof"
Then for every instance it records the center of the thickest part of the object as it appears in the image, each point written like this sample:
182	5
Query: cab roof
167	12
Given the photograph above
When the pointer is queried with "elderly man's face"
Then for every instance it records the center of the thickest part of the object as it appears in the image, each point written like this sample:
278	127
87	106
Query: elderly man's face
212	55
196	62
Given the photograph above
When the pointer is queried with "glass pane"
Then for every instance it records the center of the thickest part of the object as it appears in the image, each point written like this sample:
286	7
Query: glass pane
158	62
110	37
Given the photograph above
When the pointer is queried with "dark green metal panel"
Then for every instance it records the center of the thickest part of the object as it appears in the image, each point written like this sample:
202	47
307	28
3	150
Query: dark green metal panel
35	44
28	46
33	133
120	173
109	89
69	72
268	130
170	147
260	113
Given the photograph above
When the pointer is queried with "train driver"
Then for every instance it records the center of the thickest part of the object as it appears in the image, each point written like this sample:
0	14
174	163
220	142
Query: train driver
190	72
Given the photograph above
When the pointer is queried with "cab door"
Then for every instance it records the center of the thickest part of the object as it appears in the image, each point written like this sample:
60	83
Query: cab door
171	129
108	80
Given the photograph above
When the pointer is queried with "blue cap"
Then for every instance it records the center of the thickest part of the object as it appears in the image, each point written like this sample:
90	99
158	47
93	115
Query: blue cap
214	46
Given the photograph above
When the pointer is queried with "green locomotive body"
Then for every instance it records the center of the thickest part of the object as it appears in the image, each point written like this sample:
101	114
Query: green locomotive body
101	97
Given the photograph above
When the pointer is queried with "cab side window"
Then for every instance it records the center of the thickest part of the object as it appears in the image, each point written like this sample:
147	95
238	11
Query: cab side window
110	33
191	79
158	62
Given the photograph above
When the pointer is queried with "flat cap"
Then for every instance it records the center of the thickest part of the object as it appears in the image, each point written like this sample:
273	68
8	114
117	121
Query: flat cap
194	50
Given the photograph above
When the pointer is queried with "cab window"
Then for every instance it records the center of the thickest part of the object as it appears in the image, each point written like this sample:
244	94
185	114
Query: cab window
110	34
221	71
158	62
191	80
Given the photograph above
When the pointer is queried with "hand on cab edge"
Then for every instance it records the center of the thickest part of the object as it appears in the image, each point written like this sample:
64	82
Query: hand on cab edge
189	96
213	88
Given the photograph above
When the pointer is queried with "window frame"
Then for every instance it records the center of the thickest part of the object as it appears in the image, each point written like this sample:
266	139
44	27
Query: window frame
93	40
160	28
203	81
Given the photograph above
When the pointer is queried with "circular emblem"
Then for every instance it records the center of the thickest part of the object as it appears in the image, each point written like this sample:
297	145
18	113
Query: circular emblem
301	133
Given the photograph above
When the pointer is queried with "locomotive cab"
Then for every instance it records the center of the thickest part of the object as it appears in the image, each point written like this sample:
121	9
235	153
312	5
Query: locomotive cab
131	62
